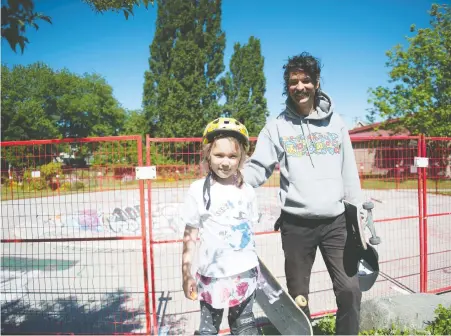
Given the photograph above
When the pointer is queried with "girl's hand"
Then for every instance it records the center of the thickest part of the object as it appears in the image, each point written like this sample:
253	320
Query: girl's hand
190	288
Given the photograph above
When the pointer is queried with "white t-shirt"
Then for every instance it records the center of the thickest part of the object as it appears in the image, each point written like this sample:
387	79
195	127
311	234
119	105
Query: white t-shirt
226	229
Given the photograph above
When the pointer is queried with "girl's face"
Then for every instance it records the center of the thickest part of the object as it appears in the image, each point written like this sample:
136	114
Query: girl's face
225	158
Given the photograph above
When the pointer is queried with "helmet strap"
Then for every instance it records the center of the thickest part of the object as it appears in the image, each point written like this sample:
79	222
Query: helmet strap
206	191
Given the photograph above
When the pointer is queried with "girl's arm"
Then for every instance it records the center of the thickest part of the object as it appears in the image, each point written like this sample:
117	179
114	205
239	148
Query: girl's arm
189	246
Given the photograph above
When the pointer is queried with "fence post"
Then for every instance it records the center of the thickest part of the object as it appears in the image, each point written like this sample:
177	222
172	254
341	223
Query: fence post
151	241
425	220
143	238
420	214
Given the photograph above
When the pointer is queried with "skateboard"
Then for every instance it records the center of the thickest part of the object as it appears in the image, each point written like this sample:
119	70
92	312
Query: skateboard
280	308
368	265
353	217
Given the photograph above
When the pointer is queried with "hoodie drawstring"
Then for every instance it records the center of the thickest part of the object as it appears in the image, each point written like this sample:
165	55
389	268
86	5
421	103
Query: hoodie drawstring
306	141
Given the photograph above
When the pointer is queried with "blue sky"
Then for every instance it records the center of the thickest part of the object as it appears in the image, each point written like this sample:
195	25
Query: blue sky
350	38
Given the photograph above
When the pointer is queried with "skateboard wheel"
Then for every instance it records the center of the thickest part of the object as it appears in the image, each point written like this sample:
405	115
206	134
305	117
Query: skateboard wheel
300	301
368	205
375	240
193	295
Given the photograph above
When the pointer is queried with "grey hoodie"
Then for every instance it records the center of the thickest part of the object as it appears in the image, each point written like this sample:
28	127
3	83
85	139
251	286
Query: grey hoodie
317	164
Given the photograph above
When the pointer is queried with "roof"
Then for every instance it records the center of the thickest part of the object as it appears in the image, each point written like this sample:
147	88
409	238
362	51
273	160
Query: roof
379	129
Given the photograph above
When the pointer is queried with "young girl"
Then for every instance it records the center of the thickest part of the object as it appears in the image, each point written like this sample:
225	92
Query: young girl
223	209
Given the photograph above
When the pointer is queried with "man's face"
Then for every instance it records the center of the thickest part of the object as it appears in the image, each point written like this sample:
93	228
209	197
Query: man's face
301	89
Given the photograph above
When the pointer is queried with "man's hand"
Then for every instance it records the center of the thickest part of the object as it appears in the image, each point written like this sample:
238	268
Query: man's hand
363	214
190	288
278	224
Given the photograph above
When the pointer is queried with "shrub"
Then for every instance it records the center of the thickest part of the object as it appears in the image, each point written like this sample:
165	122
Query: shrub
440	326
50	170
72	185
442	323
325	326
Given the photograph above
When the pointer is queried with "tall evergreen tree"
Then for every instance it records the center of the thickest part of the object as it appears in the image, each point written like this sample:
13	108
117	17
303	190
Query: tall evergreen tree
186	58
244	86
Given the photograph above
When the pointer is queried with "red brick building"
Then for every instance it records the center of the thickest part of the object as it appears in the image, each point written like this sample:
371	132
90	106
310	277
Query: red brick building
385	150
379	153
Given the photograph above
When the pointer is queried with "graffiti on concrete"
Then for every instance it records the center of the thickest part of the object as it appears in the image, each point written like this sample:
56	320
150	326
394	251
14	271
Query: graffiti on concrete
166	220
120	220
125	220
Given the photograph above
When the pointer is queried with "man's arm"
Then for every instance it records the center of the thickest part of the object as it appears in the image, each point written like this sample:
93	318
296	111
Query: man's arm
262	162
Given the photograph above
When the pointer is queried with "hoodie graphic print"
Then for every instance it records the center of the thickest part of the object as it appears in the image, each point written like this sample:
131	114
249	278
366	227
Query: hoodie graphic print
316	143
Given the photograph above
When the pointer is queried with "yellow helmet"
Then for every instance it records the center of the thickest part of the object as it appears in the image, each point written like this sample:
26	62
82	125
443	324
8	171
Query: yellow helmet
228	126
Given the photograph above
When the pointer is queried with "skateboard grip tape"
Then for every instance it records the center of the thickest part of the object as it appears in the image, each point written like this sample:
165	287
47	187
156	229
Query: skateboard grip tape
301	301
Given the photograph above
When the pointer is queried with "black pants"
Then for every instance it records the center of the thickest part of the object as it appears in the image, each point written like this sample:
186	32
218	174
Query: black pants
241	318
300	239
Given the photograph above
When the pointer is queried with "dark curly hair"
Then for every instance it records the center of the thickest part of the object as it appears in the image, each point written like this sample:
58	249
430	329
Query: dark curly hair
305	62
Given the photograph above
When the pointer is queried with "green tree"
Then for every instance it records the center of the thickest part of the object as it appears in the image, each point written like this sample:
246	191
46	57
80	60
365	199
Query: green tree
28	110
244	86
135	123
125	6
420	78
17	15
40	103
86	106
186	58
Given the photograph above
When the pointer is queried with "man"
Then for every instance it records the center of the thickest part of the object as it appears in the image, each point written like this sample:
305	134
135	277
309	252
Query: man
317	172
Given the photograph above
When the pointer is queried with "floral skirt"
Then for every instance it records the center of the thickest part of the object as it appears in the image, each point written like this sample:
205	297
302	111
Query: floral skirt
227	292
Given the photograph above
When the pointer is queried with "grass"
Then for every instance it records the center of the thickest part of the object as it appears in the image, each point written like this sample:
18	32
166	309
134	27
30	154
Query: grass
381	183
441	187
432	185
20	192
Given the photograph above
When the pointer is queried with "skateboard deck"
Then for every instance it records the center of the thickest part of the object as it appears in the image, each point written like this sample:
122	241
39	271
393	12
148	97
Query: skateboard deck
353	217
279	306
